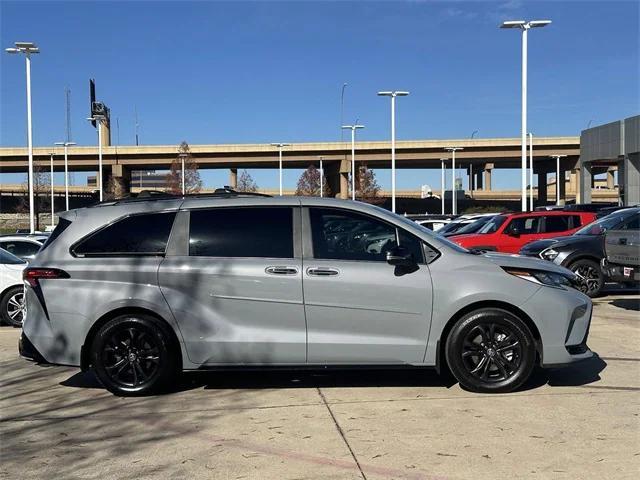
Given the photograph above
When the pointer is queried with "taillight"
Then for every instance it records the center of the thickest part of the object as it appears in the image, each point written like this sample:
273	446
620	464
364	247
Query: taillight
32	275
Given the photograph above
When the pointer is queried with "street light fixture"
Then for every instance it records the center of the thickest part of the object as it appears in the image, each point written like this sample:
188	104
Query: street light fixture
524	26
557	157
66	171
28	48
393	94
453	151
99	119
353	157
280	145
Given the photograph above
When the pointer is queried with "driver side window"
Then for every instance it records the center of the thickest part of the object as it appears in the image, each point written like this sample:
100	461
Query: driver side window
344	235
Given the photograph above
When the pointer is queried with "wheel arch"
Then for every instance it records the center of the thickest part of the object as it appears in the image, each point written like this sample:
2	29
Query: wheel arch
85	353
441	362
580	256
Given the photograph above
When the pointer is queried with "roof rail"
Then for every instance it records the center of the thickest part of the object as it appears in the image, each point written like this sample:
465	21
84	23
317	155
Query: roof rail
150	195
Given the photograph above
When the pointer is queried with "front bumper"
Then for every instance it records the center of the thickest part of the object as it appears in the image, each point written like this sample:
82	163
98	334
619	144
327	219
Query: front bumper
620	273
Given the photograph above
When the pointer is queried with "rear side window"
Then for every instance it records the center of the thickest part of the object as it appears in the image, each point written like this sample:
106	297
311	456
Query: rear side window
145	234
263	232
63	223
556	223
20	248
633	223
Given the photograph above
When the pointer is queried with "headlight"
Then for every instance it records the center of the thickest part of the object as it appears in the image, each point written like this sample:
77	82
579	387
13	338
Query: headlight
549	254
550	279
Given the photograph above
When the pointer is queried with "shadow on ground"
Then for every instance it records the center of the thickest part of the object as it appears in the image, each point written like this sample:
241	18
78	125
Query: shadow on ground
626	303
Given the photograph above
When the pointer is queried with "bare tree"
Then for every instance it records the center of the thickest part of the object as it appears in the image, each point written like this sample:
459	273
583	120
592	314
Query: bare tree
367	187
309	183
192	180
246	183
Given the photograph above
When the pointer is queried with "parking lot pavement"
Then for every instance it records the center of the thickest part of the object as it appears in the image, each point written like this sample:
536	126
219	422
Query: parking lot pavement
581	422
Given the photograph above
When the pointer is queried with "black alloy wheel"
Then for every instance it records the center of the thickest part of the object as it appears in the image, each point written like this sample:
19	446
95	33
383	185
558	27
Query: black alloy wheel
591	278
490	350
132	355
12	307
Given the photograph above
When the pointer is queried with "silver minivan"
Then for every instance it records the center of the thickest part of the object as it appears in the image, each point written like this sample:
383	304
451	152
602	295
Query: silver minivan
142	289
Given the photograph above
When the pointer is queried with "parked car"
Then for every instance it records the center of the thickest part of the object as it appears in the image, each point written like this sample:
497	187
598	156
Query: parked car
603	212
588	207
508	233
622	249
461	222
142	290
471	227
583	251
24	247
11	289
432	221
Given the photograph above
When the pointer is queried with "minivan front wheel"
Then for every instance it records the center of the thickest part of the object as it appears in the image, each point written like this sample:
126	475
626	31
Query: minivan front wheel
132	355
490	350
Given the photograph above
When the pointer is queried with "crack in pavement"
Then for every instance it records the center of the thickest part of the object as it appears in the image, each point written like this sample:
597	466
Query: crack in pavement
344	438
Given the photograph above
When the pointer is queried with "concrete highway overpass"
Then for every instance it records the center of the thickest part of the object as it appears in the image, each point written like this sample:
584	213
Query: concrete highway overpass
479	156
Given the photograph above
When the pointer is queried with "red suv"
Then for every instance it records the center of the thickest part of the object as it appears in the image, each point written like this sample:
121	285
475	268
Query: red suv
511	231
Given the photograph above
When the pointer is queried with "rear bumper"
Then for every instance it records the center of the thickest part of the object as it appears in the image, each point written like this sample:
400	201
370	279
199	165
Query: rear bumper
28	351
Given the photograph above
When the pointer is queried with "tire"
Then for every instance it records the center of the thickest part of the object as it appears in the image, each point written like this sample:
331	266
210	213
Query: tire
12	306
117	356
591	275
477	351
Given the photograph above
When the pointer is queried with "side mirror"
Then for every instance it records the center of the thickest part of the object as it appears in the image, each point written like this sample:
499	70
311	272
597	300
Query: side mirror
400	256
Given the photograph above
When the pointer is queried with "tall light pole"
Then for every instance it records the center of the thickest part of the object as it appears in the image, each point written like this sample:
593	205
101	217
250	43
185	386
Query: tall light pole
66	171
28	48
99	119
530	172
322	176
557	157
524	26
353	157
393	94
52	196
344	85
442	160
183	157
280	145
453	150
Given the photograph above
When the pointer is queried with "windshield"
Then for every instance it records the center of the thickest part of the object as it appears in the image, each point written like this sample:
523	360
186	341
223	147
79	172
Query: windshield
451	227
7	258
474	226
493	225
602	225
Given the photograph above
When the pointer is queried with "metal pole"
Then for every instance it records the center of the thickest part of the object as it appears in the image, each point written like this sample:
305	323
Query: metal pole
52	197
558	180
530	172
393	153
32	221
321	179
344	85
524	120
66	177
453	182
280	167
353	162
442	186
471	178
100	156
184	190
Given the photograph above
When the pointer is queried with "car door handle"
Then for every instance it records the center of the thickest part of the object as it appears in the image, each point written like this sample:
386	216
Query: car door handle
281	270
322	272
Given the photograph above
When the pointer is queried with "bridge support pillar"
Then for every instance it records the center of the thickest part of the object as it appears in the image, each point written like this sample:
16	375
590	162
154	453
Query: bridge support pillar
337	179
233	178
542	188
487	176
561	183
118	184
611	179
629	179
479	177
583	193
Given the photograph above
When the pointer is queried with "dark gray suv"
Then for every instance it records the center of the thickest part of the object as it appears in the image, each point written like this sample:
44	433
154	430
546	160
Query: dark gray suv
140	290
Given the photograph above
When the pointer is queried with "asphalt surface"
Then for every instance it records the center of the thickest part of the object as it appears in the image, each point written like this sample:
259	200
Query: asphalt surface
582	422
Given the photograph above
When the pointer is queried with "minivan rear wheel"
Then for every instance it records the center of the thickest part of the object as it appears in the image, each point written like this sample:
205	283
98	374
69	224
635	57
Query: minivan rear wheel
490	350
132	355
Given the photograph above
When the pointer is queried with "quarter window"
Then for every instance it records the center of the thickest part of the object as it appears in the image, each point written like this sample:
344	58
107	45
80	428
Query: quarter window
557	223
344	235
145	234
265	232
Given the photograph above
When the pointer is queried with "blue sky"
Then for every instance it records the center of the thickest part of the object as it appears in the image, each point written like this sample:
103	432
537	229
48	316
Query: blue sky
234	72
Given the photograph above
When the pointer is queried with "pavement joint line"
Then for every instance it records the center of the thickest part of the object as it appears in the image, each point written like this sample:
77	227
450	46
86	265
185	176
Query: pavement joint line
605	387
621	359
344	438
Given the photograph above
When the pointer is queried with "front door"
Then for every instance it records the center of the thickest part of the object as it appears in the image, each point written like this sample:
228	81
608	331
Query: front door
518	232
237	295
360	309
